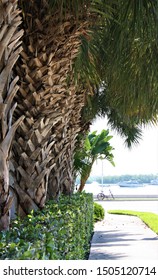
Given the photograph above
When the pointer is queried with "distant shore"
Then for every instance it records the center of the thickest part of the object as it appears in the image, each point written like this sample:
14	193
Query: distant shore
147	191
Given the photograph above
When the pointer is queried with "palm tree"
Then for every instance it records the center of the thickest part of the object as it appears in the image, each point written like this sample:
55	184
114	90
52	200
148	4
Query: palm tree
96	146
62	63
10	36
44	143
125	124
125	51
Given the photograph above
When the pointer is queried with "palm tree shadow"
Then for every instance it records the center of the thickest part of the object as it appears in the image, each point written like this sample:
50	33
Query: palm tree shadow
109	239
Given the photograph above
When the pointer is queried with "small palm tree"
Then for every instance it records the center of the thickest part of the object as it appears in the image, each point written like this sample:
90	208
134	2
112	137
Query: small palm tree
96	146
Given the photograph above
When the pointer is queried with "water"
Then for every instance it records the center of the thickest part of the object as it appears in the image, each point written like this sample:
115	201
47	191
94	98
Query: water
145	205
95	188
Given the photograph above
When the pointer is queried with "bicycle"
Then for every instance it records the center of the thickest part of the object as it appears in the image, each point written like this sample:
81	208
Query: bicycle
102	196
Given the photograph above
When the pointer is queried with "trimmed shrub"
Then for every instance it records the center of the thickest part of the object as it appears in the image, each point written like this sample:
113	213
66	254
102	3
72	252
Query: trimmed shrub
61	231
99	212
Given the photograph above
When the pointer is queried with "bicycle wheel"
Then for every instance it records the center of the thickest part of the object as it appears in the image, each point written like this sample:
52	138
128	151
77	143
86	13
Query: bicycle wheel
100	196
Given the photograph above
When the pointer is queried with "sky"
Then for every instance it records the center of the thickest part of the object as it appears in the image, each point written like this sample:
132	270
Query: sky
140	159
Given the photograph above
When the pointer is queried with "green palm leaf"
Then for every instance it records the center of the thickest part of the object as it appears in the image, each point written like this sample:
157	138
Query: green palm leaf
96	146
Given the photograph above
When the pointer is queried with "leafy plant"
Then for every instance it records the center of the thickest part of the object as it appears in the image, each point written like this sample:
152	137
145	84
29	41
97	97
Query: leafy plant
96	146
62	231
99	212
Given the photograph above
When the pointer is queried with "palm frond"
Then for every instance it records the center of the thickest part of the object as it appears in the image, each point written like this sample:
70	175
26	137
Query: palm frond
127	63
75	7
131	132
85	71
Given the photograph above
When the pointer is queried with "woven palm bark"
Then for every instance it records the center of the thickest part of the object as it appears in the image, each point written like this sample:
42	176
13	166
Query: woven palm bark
48	97
61	179
10	41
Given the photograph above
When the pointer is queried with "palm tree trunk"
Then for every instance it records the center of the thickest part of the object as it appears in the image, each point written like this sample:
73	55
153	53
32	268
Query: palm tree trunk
45	141
83	182
85	175
61	179
9	53
32	164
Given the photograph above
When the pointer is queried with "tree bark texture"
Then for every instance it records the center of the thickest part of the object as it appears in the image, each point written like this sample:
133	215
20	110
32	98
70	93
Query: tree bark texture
10	41
45	141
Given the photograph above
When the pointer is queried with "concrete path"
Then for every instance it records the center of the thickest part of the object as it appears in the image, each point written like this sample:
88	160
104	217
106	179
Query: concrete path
121	237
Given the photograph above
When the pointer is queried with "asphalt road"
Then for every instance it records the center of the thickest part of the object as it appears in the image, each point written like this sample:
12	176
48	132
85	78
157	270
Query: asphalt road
143	206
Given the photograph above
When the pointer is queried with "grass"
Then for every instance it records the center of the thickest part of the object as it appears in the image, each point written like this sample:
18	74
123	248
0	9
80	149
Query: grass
150	219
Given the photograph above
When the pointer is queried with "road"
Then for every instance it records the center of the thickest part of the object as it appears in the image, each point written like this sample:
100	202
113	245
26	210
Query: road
143	206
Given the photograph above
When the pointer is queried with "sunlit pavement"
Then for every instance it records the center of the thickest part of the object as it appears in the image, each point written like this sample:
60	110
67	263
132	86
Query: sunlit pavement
121	237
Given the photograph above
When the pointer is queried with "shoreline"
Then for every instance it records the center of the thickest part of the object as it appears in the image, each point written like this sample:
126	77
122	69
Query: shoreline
146	191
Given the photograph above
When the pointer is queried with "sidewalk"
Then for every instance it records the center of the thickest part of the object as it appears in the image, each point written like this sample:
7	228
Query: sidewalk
121	237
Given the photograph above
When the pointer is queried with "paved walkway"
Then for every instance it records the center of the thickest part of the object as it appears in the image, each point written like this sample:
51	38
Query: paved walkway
121	237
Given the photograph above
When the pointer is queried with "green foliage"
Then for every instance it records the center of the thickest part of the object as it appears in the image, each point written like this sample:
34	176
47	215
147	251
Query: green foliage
96	146
62	231
130	66
99	212
150	219
75	7
120	60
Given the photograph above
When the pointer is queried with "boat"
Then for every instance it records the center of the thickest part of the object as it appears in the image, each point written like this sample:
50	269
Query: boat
131	184
154	182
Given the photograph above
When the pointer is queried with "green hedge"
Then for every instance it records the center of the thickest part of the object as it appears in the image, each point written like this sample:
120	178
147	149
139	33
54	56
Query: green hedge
99	212
62	231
